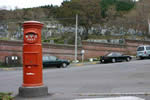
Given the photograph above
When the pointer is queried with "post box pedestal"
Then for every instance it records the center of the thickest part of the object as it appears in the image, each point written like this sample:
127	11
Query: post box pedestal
33	91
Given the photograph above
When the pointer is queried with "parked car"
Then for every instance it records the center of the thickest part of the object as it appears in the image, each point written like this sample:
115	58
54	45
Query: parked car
114	57
143	51
49	61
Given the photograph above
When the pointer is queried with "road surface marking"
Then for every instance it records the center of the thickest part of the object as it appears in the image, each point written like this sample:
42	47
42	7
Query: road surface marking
114	98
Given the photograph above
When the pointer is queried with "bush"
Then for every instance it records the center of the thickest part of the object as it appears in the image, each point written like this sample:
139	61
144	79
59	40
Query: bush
124	6
6	96
120	5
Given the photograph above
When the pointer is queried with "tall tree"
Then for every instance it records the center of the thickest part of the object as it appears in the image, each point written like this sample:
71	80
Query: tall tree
108	7
88	11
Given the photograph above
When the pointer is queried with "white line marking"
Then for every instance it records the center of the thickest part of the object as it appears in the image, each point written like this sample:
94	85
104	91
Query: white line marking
114	98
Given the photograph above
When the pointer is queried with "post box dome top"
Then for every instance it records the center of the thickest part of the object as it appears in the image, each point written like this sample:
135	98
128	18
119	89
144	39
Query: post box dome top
32	22
35	24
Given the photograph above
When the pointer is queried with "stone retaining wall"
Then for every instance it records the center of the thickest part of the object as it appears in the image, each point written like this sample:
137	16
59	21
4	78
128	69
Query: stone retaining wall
92	49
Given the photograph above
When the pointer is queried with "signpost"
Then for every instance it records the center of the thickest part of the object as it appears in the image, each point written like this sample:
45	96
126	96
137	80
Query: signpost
82	53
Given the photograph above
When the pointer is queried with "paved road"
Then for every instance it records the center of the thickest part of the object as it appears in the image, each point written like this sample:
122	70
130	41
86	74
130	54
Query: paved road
87	81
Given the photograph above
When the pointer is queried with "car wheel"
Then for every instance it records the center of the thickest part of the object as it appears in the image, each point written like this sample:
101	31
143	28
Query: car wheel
141	58
64	65
58	66
113	60
101	61
128	59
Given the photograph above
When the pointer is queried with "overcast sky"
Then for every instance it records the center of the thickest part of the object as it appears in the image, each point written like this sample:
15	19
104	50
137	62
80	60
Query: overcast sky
11	4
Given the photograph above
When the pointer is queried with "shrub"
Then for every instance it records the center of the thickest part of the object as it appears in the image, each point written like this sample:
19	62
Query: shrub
124	5
6	96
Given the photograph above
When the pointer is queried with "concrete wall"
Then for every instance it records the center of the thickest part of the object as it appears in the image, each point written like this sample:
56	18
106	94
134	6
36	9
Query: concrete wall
92	49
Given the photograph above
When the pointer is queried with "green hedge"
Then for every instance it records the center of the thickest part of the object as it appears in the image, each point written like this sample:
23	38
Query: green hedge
124	6
6	96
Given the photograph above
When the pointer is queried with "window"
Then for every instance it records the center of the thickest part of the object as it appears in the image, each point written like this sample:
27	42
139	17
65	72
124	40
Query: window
118	54
114	54
52	58
140	49
109	55
147	48
45	58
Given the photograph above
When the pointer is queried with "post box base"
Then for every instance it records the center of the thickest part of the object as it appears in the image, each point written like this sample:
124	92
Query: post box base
33	91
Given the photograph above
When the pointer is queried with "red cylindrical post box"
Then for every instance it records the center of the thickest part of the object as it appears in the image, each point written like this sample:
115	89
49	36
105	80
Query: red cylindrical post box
32	54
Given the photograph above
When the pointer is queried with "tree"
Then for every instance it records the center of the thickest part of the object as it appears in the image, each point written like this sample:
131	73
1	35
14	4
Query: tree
4	15
118	7
105	4
88	11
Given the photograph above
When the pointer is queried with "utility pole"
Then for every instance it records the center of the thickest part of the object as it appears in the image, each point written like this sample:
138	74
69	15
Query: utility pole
148	26
76	37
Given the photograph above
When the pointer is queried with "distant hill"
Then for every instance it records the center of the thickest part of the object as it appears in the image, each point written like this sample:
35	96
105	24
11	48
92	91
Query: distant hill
98	18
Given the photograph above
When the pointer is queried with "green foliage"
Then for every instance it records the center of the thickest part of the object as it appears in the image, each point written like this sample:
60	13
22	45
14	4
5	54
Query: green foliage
4	38
124	6
67	38
88	11
57	40
105	5
47	6
120	5
6	96
51	38
107	37
68	11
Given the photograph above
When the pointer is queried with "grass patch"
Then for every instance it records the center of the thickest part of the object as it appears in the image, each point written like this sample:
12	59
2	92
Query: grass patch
6	96
3	65
3	38
114	37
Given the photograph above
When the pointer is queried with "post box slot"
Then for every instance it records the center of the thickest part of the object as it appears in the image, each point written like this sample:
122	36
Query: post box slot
31	37
31	58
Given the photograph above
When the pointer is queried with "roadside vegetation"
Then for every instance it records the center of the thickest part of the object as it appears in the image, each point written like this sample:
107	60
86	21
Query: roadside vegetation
6	96
3	65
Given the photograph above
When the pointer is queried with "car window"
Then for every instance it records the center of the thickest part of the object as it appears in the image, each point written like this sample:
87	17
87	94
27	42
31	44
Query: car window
147	48
52	58
109	55
45	58
140	49
114	54
118	54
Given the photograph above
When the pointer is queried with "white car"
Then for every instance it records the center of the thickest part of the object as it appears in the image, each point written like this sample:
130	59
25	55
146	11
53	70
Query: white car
143	51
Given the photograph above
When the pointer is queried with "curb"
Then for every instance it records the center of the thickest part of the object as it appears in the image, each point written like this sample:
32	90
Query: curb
10	69
115	98
82	64
133	57
73	64
115	94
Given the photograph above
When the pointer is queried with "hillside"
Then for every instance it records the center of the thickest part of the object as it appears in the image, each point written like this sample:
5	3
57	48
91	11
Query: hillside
112	20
